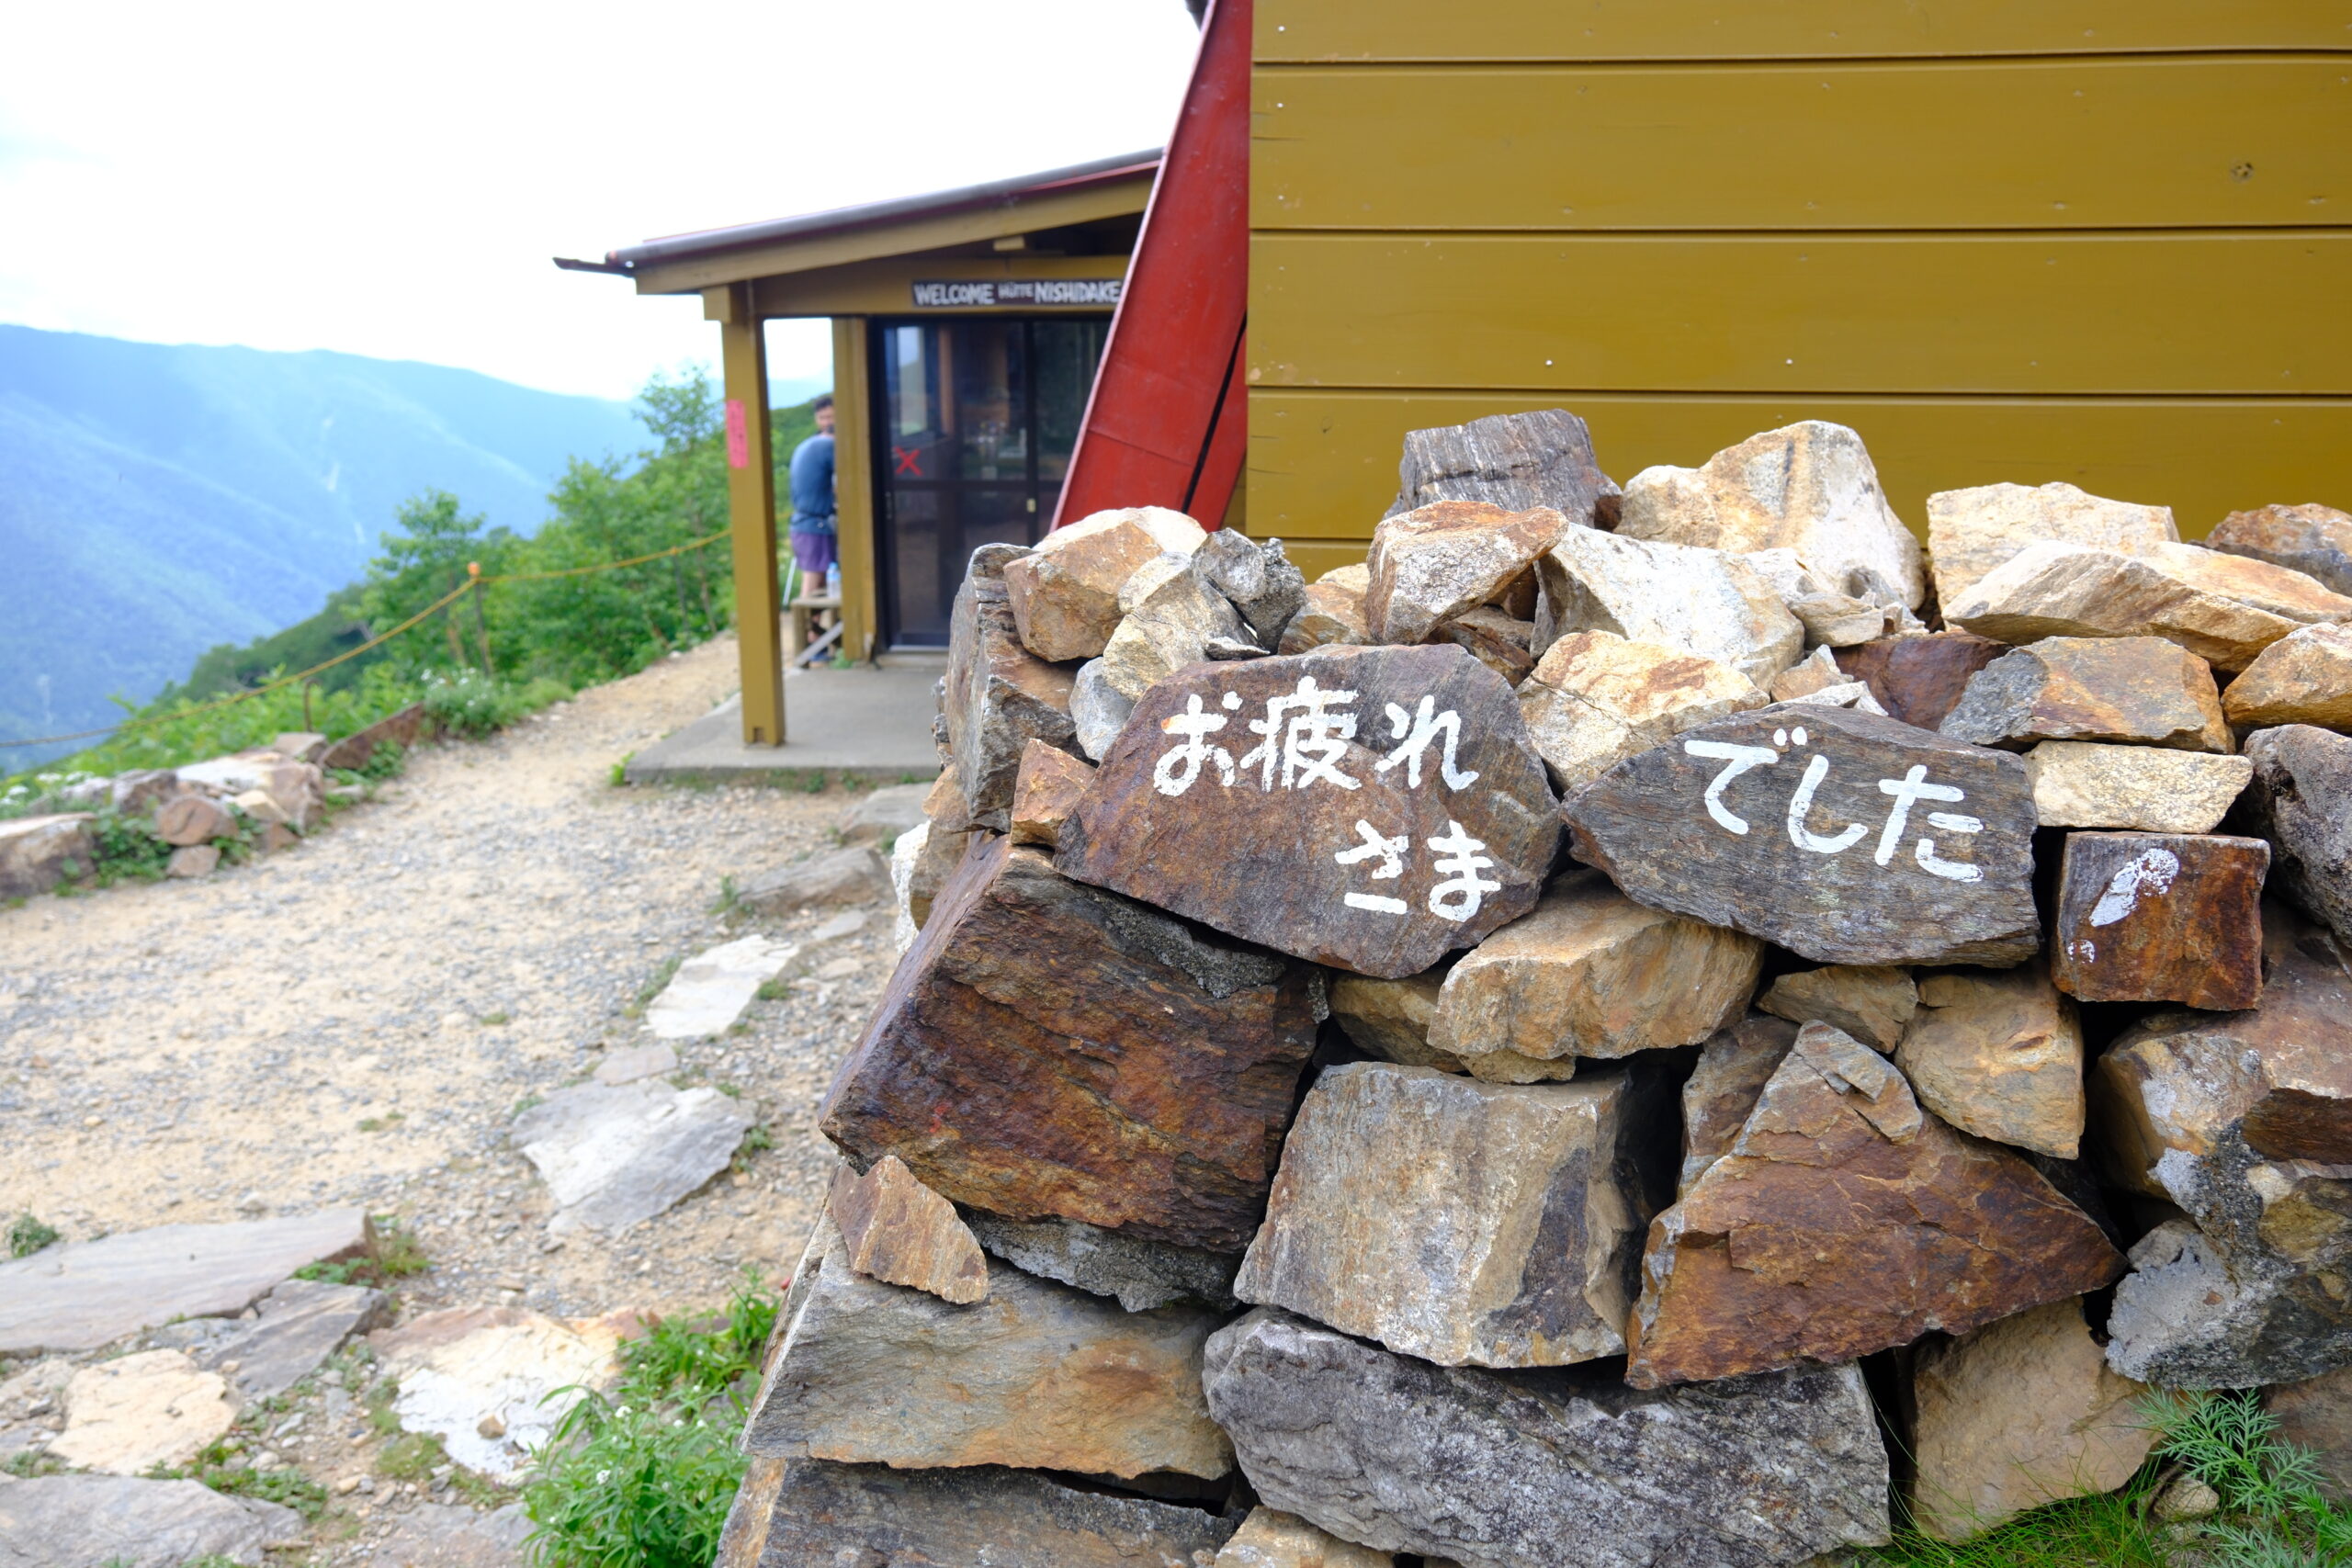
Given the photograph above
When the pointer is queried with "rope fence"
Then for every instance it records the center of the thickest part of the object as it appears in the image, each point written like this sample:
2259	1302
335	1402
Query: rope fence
475	582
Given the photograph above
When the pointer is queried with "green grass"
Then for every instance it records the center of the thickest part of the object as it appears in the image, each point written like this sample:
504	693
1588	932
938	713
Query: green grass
27	1234
2272	1512
396	1255
652	986
213	1466
644	1479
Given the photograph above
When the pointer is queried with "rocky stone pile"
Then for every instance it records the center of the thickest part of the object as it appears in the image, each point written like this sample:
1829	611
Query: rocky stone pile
1653	1025
257	801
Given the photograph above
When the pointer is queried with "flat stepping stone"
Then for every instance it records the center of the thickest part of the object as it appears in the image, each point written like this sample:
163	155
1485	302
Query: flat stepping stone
90	1293
486	1379
133	1524
711	990
614	1154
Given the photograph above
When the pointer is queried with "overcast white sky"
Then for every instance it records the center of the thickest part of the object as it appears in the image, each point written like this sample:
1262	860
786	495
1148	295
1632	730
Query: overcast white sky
391	180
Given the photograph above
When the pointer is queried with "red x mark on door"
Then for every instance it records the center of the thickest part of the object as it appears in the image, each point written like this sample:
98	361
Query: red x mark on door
908	460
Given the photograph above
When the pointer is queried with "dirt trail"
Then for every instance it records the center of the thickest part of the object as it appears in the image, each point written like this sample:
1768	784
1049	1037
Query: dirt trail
355	1021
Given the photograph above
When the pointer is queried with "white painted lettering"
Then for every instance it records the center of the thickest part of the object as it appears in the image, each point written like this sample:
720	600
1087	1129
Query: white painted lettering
1800	807
1415	733
1458	896
1740	759
1911	786
1176	770
1304	737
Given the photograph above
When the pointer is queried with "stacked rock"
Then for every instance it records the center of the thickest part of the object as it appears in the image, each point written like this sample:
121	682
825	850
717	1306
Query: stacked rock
1472	1058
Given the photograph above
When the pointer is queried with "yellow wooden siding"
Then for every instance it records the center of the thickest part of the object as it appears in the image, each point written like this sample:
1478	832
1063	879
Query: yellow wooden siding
2137	142
1782	30
2252	312
1323	465
2025	241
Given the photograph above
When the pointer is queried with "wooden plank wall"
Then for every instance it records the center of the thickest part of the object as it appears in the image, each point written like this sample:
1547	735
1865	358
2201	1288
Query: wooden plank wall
2022	240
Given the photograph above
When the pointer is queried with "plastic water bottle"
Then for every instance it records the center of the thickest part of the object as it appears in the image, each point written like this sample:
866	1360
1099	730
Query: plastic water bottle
833	580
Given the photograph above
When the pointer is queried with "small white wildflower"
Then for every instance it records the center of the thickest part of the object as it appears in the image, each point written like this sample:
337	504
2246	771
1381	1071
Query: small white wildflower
602	1476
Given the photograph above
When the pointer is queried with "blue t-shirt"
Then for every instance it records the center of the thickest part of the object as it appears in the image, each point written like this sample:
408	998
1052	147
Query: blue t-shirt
812	486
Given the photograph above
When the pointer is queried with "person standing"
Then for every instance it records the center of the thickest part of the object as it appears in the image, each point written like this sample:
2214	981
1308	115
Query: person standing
814	540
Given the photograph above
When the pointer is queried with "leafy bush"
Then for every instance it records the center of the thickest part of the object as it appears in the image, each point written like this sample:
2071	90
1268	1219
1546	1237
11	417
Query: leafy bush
469	702
27	1234
645	1478
128	848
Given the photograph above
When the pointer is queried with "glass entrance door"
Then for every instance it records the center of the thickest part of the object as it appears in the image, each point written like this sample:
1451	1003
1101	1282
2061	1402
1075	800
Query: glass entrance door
978	416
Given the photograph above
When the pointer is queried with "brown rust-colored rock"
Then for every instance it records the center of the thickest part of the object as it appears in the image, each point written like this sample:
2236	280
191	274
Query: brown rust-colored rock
2316	1414
1272	1539
2275	1077
1595	699
1733	1067
1391	1019
997	697
1035	1375
2300	801
2244	1120
2303	678
1464	1223
2017	1414
1499	641
2312	539
1046	1048
2160	917
1435	562
193	820
2139	689
1333	611
1591	973
1844	1221
1919	678
1369	808
1048	788
899	1231
1971	532
1843	836
2224	609
1871	1002
1999	1054
1065	594
2148	789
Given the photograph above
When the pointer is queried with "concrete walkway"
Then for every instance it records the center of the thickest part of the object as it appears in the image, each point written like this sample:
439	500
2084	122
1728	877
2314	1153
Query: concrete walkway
869	722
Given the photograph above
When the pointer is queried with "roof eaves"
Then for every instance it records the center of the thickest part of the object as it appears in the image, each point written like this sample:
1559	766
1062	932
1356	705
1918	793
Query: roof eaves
992	193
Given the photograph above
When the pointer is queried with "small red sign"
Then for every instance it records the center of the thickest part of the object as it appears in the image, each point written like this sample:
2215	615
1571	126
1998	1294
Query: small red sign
739	436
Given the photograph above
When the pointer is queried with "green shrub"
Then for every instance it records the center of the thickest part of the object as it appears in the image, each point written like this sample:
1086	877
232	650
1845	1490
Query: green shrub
470	703
645	1478
27	1234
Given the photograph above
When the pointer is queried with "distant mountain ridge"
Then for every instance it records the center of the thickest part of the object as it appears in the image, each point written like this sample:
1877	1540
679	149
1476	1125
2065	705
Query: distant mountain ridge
157	500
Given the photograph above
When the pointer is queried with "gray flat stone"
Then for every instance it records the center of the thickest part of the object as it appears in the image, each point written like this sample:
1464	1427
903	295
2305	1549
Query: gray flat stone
633	1063
107	1521
711	990
302	1322
443	1535
617	1155
1511	1469
884	814
800	1513
1142	1274
90	1293
857	875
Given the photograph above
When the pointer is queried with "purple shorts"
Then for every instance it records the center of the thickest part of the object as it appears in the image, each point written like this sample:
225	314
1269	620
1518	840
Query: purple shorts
815	553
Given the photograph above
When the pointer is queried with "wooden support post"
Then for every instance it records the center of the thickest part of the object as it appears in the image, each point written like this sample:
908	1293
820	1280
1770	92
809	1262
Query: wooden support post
751	511
853	488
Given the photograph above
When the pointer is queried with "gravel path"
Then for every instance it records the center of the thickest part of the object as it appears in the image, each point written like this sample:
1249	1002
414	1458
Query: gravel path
356	1019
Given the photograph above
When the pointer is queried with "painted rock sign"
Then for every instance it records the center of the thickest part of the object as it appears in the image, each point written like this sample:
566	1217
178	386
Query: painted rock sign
1365	808
1846	837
